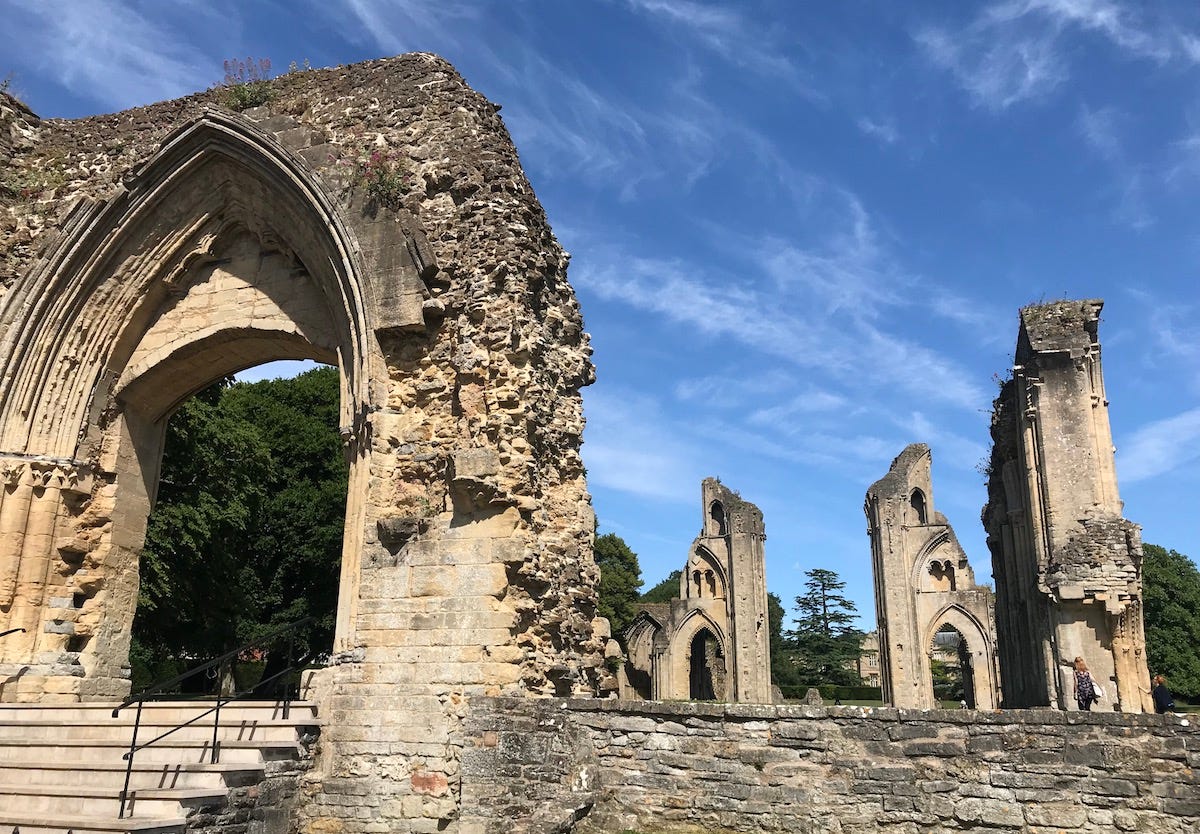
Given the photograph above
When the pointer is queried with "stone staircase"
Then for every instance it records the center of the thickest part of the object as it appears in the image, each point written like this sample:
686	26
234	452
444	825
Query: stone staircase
61	766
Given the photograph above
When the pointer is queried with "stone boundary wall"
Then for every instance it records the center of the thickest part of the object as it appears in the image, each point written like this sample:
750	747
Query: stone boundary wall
617	766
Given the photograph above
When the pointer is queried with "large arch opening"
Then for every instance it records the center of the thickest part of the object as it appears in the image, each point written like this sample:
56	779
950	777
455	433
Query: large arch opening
245	535
223	254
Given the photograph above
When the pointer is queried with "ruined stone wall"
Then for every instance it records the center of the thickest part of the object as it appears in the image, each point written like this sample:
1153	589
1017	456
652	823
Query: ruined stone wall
613	766
467	565
1067	566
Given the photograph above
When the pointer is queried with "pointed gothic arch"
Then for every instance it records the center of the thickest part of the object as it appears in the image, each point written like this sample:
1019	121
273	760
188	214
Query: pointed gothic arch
221	252
978	644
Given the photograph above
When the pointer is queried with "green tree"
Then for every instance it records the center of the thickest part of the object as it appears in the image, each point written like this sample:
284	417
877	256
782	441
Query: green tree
784	672
666	590
194	585
1171	613
826	643
620	579
246	533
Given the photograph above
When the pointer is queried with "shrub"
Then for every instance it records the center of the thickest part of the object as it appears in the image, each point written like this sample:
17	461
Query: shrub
247	83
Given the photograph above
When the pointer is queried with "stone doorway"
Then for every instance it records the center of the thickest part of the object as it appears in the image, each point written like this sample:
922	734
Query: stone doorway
952	677
707	667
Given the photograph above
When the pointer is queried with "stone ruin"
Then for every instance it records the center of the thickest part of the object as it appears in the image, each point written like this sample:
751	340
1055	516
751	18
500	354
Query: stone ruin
712	642
1067	565
373	217
924	583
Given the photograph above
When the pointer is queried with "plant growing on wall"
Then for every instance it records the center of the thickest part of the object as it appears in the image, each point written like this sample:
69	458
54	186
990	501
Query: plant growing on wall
247	83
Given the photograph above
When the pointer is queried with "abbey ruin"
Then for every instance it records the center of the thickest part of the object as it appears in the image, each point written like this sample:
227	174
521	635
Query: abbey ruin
376	218
710	643
1067	565
924	583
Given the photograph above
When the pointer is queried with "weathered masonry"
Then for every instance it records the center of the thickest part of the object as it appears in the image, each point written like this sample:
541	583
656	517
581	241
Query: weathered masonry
711	643
373	217
597	767
1067	565
923	584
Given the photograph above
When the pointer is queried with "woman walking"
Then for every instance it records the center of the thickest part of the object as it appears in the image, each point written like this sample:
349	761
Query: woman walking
1085	687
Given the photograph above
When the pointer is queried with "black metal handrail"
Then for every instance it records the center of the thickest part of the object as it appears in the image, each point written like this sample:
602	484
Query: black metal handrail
167	687
11	631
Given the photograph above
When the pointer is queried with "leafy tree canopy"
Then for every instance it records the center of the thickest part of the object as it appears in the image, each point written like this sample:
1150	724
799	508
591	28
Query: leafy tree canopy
666	590
826	643
784	671
1171	612
246	533
620	579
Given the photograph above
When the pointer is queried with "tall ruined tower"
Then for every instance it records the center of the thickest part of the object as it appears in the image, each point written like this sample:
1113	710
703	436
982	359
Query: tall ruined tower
1068	567
731	541
924	585
711	642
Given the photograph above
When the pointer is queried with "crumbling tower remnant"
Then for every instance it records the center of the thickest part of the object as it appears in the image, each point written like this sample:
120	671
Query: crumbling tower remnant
1067	565
711	643
923	585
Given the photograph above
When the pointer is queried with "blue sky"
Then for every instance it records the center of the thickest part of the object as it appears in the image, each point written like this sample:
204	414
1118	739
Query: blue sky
800	231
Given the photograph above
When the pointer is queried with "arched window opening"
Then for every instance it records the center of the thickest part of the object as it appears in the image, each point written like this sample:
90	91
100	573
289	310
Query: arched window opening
706	678
916	503
697	583
950	668
711	581
246	531
717	513
942	573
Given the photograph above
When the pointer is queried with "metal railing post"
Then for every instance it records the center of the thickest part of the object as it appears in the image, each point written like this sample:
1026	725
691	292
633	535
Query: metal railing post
137	723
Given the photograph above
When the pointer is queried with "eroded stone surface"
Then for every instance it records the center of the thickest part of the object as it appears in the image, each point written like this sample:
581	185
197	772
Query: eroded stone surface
923	582
145	253
1067	565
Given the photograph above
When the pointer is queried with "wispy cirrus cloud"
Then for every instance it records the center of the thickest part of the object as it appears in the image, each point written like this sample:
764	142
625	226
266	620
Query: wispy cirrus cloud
728	33
630	447
111	51
1161	446
1014	50
822	325
1101	131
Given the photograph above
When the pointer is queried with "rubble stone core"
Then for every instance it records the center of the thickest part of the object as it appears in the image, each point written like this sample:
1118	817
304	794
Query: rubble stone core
1068	567
923	582
145	254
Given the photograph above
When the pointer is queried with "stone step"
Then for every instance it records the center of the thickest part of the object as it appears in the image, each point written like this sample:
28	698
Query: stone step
167	750
159	711
49	729
84	824
56	800
110	775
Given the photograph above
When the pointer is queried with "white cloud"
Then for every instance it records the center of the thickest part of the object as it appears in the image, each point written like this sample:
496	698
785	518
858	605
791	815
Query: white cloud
1101	131
824	328
1014	50
1159	447
727	33
629	447
107	50
884	131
